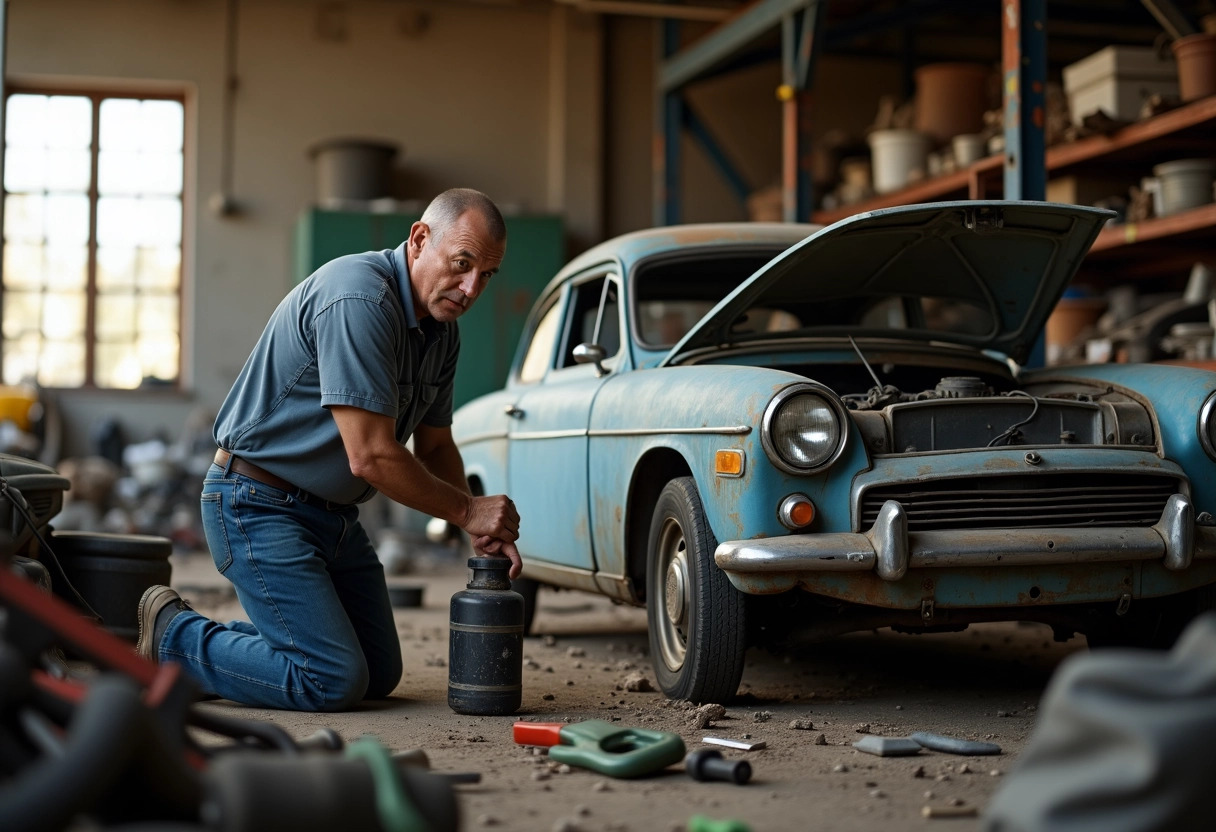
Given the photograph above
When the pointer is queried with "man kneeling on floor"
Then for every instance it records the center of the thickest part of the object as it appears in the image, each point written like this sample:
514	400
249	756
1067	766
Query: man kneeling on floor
355	360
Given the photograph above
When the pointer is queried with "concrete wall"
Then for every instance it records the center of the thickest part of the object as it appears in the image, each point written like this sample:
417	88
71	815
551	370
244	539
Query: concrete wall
544	108
463	87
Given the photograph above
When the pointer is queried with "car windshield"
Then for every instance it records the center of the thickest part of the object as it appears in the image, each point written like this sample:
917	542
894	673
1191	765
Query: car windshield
672	296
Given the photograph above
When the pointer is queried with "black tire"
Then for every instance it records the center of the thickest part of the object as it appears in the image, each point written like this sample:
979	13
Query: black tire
698	622
528	589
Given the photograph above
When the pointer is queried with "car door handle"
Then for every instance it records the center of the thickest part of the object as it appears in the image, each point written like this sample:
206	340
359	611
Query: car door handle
513	411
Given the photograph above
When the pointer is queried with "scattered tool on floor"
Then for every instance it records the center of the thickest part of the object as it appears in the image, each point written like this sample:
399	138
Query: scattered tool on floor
417	758
949	811
741	745
954	745
887	746
701	823
323	739
601	746
708	764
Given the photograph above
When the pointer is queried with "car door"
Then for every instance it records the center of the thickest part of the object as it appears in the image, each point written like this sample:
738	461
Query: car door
547	439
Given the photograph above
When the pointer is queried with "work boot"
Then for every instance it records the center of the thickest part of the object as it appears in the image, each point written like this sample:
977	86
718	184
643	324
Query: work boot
158	606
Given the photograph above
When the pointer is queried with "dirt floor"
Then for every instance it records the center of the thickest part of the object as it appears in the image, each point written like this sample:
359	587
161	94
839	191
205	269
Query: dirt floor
808	706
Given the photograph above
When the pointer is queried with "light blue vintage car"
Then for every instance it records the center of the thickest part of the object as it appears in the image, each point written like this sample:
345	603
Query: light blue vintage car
760	428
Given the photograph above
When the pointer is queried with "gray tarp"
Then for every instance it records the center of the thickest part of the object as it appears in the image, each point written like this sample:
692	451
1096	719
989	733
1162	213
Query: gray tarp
1125	742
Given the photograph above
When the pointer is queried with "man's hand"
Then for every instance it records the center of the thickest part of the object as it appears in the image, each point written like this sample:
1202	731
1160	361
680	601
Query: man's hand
494	517
494	547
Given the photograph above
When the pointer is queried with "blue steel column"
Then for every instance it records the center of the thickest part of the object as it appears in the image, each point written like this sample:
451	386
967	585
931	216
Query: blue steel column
1024	49
669	119
1024	53
710	53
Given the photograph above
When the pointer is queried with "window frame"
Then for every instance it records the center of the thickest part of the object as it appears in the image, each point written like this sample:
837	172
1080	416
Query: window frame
567	341
96	95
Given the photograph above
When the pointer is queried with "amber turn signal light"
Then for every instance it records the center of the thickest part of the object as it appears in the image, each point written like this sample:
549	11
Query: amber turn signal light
728	463
796	511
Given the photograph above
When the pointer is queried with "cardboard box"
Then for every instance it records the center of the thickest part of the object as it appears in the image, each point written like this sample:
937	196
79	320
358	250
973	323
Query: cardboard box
1086	190
1118	80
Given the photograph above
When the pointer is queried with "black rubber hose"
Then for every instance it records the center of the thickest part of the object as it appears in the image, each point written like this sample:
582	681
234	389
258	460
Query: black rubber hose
253	791
101	741
266	733
15	683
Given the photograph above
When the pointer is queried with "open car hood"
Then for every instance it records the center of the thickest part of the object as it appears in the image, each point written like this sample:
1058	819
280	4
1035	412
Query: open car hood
982	273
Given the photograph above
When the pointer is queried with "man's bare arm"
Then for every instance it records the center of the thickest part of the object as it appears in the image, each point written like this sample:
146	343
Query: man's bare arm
435	448
436	488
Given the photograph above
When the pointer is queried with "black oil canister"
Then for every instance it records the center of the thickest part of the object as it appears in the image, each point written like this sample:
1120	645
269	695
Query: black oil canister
486	641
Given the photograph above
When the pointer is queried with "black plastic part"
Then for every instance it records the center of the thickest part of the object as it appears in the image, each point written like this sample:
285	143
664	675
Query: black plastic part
114	749
708	764
111	572
323	739
252	732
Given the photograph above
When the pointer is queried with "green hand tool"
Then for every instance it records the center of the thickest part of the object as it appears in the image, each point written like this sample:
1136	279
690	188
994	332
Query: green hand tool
614	750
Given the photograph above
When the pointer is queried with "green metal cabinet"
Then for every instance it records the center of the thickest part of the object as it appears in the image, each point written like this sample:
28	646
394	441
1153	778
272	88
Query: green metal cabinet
490	330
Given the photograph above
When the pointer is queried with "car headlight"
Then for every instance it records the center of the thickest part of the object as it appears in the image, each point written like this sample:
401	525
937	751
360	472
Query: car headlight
804	428
1207	425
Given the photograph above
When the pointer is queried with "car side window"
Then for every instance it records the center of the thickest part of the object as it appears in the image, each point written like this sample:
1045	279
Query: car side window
540	350
595	319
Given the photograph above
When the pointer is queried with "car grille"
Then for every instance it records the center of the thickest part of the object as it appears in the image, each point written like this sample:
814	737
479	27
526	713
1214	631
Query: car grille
1022	502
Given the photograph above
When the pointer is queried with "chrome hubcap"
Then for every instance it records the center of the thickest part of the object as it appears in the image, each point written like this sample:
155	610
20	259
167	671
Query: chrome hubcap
676	581
673	566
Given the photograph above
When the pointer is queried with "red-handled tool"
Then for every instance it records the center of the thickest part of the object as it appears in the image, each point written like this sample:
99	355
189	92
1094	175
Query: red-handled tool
615	750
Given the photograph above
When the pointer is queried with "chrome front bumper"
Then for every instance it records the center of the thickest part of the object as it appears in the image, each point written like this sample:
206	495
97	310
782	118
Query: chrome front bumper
889	549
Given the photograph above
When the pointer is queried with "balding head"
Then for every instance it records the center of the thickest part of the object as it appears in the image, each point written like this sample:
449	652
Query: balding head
452	204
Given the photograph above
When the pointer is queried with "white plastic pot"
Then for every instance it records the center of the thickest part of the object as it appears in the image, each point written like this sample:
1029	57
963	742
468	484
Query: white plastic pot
1185	184
895	155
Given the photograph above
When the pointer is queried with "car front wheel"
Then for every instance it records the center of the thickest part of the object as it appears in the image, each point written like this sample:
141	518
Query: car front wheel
697	618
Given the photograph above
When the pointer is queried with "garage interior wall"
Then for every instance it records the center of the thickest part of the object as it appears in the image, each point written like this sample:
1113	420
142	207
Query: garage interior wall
547	109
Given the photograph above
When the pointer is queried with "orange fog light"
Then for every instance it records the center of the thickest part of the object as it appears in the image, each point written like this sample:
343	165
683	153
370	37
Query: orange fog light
796	511
728	463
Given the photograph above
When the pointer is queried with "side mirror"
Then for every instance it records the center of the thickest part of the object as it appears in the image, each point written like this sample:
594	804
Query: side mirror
588	353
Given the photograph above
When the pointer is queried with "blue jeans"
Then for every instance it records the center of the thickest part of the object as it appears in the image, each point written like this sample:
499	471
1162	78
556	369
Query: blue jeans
320	635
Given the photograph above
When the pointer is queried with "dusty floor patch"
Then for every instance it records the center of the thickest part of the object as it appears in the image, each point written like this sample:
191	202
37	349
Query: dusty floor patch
589	661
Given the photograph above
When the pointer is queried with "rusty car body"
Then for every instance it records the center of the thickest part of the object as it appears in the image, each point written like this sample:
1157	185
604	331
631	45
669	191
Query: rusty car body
759	428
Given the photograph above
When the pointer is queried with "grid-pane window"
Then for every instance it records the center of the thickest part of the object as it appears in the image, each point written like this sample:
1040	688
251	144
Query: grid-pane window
92	240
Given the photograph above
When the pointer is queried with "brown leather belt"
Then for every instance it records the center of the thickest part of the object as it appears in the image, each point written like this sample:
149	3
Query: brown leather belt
224	459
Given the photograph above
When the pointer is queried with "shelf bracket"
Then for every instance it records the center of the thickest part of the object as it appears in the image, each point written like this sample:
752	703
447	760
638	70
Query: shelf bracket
728	39
704	137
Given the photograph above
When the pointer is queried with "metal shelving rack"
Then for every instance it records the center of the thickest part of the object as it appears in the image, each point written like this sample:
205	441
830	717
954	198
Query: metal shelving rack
802	36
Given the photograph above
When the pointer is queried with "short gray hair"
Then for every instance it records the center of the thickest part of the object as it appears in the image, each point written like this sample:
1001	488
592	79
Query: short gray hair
452	204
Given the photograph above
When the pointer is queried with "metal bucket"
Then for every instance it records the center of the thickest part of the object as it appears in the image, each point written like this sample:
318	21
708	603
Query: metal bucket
353	170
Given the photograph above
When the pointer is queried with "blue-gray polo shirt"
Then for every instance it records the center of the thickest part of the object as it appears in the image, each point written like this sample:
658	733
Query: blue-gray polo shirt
346	335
